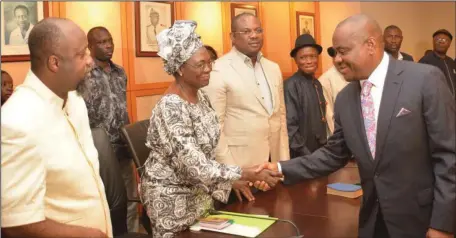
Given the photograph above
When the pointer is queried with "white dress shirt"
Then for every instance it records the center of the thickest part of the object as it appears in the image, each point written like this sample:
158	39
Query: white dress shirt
16	36
259	75
50	167
377	78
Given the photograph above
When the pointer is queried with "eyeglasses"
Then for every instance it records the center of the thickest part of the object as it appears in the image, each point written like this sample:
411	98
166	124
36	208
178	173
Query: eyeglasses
248	32
443	40
201	66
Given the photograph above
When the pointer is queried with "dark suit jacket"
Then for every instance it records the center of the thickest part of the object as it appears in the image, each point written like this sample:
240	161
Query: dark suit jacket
412	178
406	56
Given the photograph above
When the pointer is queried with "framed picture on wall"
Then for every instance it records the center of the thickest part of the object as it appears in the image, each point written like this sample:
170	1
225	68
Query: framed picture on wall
305	23
150	19
18	19
237	9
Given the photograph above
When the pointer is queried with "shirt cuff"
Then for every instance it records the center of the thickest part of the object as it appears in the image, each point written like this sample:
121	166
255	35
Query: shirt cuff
21	218
279	168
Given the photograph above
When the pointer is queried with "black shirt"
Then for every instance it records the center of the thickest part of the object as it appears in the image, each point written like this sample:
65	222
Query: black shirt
447	65
306	114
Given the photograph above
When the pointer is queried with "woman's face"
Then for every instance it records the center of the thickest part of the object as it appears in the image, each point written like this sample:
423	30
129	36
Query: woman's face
196	70
7	87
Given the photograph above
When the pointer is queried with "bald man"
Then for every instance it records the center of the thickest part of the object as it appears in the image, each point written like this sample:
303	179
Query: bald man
51	186
397	119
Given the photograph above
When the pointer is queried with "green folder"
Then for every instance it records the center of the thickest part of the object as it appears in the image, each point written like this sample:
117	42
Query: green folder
246	225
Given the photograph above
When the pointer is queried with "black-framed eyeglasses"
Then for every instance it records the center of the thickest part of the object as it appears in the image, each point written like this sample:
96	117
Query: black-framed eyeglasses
248	32
202	65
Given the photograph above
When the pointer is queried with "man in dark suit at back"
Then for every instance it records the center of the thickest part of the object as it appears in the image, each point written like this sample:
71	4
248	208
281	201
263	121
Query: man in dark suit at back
393	41
397	119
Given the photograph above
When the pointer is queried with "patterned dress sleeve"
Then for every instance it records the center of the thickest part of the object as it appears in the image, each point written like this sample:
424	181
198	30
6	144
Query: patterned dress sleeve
175	126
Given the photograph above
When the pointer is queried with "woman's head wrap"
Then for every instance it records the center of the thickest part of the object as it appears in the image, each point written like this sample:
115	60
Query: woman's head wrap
177	44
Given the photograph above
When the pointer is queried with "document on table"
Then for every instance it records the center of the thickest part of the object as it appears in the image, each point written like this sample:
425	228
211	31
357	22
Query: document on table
245	225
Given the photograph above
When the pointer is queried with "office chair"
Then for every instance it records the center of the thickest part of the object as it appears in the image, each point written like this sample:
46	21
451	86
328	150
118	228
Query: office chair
116	193
136	136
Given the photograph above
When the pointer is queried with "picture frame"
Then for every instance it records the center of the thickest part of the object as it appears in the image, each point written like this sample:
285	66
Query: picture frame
305	23
237	8
17	20
151	18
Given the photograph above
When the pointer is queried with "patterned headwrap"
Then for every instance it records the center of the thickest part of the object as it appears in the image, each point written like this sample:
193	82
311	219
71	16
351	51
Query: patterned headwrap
177	44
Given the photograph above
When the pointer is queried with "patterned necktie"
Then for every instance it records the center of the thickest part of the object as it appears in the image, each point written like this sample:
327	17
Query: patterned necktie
367	105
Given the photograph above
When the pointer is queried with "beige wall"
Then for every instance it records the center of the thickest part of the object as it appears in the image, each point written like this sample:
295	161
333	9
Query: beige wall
418	21
330	17
91	14
86	15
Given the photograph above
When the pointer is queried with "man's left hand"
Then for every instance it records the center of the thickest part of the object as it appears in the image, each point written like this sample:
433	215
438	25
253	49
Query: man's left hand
433	233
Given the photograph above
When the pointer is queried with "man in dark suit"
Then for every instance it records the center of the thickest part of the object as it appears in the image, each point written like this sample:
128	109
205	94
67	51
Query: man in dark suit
393	41
397	119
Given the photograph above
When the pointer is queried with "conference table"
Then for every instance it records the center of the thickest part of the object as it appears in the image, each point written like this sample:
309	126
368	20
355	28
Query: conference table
306	204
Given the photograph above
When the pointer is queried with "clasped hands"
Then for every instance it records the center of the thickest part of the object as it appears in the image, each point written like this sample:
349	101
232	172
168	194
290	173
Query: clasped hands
264	177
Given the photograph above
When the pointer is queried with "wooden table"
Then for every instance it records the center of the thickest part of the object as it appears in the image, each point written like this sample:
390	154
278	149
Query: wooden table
316	214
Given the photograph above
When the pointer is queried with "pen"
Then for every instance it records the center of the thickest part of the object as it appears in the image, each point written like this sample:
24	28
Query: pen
214	212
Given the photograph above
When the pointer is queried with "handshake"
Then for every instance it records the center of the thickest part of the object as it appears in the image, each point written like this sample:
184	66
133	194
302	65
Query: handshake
263	177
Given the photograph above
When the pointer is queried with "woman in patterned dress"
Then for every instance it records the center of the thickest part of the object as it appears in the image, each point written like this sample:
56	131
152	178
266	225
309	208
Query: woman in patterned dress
181	177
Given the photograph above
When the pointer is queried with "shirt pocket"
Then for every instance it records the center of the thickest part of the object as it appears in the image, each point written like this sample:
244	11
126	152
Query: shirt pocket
240	141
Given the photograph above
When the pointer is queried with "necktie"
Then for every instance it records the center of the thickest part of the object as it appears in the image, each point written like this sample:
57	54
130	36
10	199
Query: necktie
367	105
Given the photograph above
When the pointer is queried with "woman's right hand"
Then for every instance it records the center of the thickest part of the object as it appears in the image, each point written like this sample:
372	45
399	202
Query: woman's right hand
241	186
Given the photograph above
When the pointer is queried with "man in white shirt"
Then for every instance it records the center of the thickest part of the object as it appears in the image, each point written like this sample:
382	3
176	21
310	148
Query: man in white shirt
392	37
154	27
51	185
20	35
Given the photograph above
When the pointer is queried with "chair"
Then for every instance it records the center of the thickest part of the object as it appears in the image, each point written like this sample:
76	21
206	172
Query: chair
116	193
136	135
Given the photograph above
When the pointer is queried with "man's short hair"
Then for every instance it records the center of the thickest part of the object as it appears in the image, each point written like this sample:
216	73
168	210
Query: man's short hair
44	40
235	20
392	27
21	7
92	31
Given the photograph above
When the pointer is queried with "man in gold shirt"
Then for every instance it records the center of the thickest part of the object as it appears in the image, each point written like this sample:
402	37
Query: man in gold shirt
51	185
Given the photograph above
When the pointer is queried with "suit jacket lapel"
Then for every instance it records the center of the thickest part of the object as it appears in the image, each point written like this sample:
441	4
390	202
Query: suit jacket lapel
359	121
243	71
391	90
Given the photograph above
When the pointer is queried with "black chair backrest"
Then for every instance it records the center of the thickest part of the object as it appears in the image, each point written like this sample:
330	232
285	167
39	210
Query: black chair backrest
116	193
136	136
